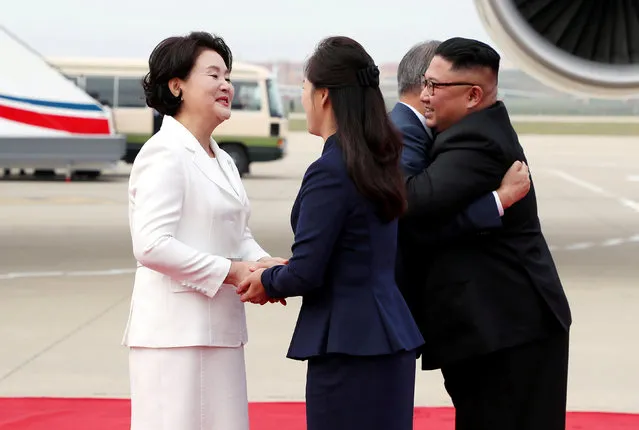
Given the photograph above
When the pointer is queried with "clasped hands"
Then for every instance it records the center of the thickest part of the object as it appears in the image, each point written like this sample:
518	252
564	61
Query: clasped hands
248	280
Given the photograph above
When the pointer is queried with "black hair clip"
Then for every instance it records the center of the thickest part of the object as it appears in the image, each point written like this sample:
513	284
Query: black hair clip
368	76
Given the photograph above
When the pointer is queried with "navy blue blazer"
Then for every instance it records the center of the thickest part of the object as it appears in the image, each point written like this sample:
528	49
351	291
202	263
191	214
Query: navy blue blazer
481	214
418	140
343	266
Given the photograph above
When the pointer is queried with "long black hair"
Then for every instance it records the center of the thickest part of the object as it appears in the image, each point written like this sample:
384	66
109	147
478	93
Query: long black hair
371	145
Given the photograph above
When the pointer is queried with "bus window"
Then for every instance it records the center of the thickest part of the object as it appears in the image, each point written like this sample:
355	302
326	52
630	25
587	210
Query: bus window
247	96
130	92
274	99
102	86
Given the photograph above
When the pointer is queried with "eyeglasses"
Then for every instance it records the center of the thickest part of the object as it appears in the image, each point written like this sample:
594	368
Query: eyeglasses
430	85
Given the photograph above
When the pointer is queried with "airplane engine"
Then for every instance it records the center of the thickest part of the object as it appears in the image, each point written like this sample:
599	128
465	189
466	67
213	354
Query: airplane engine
586	47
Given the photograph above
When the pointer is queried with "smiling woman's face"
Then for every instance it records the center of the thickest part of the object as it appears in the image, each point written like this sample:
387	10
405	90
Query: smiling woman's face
207	90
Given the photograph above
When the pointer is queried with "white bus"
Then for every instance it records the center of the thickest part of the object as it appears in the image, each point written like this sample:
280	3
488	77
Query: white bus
257	130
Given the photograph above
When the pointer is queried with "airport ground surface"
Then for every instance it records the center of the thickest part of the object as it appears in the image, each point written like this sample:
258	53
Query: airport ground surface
66	275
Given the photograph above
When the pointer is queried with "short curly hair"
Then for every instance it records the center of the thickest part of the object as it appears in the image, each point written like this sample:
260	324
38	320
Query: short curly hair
174	57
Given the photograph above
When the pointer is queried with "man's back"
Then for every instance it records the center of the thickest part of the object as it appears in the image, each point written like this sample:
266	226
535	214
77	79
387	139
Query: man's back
494	289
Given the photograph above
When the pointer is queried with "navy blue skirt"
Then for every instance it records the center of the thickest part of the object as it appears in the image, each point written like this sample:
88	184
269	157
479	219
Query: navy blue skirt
345	392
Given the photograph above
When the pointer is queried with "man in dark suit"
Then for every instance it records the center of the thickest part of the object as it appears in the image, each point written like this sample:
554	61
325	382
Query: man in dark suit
407	116
492	309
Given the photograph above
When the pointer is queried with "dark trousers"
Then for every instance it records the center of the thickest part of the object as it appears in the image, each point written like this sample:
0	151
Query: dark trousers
350	392
518	388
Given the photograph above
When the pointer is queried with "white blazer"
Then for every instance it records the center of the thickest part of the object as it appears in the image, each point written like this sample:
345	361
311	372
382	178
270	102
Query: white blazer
188	218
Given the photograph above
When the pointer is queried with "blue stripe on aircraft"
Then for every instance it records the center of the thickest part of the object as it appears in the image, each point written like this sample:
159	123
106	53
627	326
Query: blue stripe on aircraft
63	105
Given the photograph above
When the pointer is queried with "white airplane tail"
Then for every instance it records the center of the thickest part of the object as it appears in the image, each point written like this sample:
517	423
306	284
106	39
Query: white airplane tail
45	118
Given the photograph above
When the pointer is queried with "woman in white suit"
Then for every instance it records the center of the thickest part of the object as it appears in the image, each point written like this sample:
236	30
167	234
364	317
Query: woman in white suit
188	214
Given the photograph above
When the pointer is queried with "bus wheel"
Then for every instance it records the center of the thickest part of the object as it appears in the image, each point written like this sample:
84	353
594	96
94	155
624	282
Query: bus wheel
239	156
88	174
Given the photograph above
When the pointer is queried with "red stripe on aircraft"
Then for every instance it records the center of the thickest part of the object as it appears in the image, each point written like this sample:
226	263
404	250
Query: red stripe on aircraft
70	124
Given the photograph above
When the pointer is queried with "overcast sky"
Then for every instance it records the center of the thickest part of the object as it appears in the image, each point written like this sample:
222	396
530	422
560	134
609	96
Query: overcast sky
256	30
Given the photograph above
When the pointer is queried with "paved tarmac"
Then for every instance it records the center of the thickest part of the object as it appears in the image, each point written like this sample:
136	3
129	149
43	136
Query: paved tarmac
66	275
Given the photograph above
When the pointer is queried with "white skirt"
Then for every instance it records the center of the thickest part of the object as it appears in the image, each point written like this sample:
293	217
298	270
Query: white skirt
195	388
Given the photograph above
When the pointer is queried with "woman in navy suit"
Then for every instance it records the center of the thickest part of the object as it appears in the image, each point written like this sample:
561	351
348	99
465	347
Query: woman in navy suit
354	327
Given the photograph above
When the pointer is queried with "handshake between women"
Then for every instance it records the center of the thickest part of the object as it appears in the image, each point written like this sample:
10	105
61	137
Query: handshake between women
247	277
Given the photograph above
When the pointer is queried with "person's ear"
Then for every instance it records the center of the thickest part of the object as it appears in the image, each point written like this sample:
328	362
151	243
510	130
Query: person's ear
475	96
174	87
324	97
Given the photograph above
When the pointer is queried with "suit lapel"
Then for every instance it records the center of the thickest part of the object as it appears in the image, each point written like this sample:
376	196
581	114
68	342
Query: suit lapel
228	169
222	176
215	175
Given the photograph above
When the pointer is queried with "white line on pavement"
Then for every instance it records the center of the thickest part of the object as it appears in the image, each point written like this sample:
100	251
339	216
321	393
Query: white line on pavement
589	245
55	274
630	204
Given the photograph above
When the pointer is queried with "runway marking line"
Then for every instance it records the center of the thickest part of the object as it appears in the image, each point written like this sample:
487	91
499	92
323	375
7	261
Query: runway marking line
116	272
579	246
56	200
60	273
623	201
571	247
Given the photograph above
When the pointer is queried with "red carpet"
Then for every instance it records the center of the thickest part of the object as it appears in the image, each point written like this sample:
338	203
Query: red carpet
113	414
